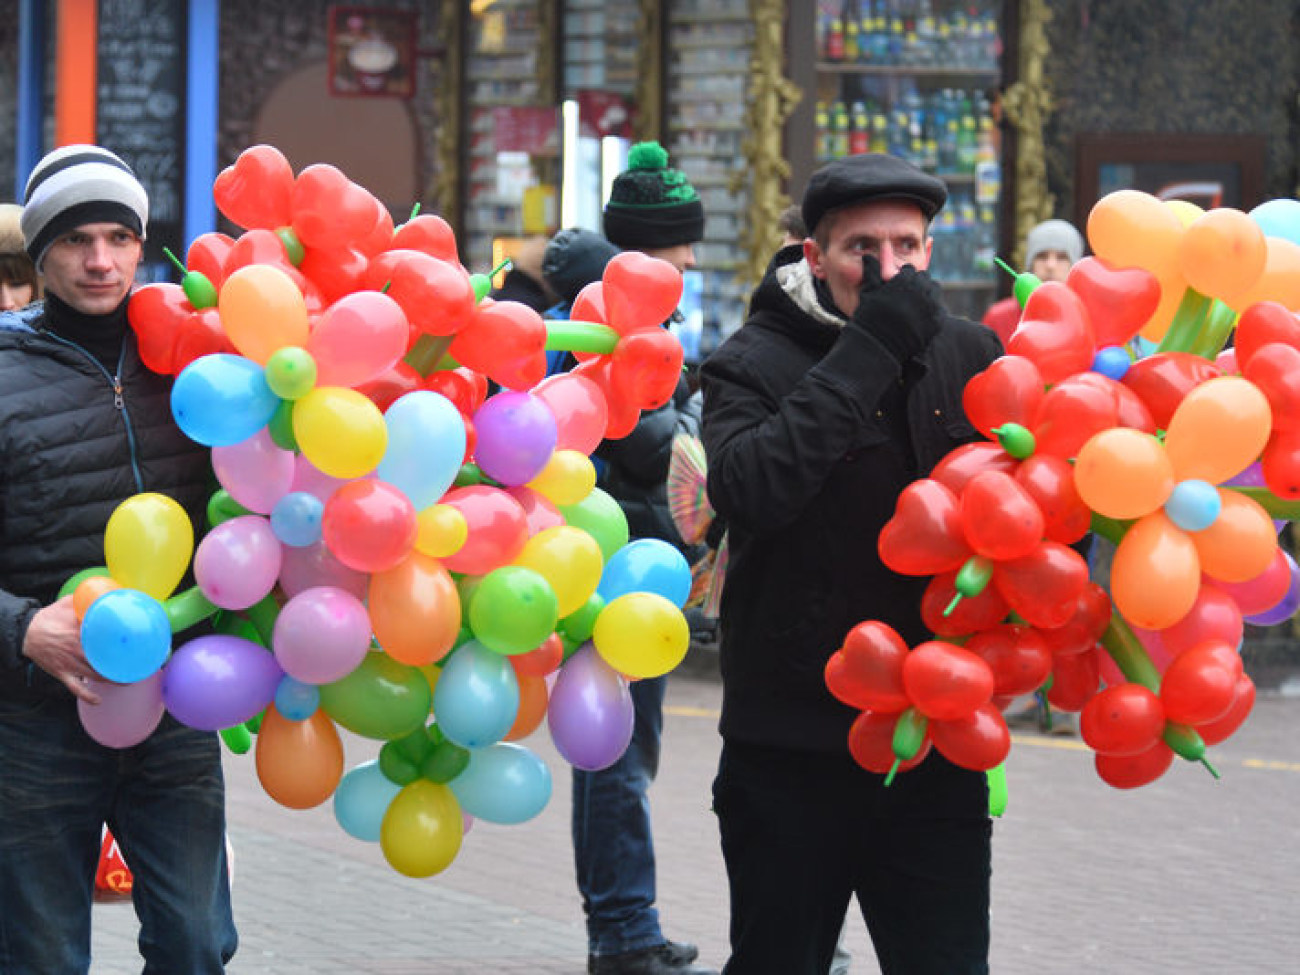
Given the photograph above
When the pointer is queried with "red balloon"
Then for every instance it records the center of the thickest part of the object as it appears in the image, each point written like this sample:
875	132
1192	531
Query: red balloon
437	296
1070	414
979	741
336	271
1075	679
640	292
1200	684
621	411
1243	701
1162	380
866	672
391	385
207	255
871	743
540	512
254	191
647	365
1080	633
1044	586
1131	771
1130	411
971	613
380	237
1049	481
924	536
429	233
1126	719
1261	324
369	525
506	341
1273	369
1280	464
1214	616
498	529
1017	655
1119	300
540	661
962	463
999	518
466	388
201	334
170	333
258	246
1055	333
945	681
1008	391
329	210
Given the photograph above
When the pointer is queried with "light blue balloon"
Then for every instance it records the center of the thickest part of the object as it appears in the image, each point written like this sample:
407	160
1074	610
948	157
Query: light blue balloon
426	445
1279	218
126	635
221	400
1193	505
504	783
295	700
647	565
476	699
296	519
361	799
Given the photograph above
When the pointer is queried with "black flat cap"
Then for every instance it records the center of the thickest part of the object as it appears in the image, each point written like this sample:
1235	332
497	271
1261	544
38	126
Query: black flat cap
866	177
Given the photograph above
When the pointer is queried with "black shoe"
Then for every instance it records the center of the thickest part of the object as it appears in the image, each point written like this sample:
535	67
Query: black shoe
669	958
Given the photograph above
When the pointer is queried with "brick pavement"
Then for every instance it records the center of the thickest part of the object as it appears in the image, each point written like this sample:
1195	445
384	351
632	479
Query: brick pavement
1188	876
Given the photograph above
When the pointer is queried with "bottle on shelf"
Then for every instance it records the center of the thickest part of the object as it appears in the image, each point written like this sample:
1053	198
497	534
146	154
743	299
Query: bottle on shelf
835	39
860	130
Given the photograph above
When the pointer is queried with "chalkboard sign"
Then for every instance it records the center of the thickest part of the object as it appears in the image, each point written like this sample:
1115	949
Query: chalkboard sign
141	108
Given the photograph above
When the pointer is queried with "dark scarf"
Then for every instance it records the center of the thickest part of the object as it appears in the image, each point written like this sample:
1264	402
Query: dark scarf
100	335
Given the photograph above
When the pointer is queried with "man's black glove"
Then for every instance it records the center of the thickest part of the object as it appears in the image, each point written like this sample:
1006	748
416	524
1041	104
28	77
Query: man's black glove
903	313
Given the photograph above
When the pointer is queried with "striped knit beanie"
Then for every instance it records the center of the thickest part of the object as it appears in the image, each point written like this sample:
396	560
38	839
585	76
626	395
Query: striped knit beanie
650	205
76	185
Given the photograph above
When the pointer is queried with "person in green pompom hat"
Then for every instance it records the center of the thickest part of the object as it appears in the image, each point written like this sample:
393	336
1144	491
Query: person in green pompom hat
654	209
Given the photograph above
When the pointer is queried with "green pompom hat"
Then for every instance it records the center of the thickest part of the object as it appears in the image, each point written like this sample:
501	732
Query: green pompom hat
651	205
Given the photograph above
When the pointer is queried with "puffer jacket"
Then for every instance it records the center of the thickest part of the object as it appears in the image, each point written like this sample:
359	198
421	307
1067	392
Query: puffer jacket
75	441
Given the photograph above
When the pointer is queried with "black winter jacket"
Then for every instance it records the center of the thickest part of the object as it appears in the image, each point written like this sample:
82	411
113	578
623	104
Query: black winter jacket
807	457
73	447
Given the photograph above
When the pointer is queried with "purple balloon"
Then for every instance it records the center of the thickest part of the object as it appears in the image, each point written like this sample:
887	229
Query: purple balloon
1287	606
516	437
590	713
126	714
216	682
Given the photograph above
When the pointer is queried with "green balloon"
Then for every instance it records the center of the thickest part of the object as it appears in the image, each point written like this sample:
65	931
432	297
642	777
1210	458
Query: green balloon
381	699
513	610
577	627
237	738
222	507
600	516
291	372
281	426
446	761
397	768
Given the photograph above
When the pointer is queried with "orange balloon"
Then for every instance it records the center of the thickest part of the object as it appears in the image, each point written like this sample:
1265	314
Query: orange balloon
1279	281
1172	288
1241	543
1218	430
1123	473
299	763
1223	252
1129	228
415	610
1186	210
88	590
262	310
1156	574
533	698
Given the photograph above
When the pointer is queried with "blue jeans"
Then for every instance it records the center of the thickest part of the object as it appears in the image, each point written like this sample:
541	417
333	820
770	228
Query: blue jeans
612	843
163	799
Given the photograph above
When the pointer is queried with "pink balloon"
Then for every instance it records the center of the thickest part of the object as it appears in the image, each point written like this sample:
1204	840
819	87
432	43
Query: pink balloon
498	529
1214	616
315	565
581	413
126	714
307	478
539	512
237	563
321	635
369	525
359	337
255	472
1262	592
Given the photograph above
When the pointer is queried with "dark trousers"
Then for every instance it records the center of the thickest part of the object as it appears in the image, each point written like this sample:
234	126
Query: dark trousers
801	832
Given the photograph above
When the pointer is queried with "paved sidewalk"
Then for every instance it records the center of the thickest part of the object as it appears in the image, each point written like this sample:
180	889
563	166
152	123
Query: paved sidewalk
1189	876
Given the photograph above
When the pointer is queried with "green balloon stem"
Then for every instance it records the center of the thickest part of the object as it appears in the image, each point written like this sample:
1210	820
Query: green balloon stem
187	608
415	211
262	615
948	610
1108	528
997	779
573	336
238	739
1005	266
1129	655
893	770
427	352
1185	329
1210	768
507	263
1270	502
180	265
384	289
1214	333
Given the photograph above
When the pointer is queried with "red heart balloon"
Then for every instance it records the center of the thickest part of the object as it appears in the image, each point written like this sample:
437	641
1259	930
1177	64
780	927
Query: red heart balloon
1213	732
1280	463
259	246
254	191
962	463
871	743
1044	586
1070	414
157	313
1055	333
622	412
380	237
640	291
647	367
1262	323
466	388
428	233
866	672
999	518
1017	655
1008	391
207	255
945	681
201	334
978	741
336	271
924	536
1119	300
386	388
505	341
437	296
1049	481
1080	633
1075	679
970	614
329	210
1162	380
1274	368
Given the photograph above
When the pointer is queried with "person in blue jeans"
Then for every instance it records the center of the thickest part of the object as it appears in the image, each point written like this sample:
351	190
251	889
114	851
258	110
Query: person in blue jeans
653	209
84	426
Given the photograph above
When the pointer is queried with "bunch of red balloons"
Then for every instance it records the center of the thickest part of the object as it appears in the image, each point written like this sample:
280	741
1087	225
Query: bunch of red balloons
1187	459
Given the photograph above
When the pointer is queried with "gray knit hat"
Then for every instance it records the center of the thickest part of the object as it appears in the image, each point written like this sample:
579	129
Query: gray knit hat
76	185
1054	235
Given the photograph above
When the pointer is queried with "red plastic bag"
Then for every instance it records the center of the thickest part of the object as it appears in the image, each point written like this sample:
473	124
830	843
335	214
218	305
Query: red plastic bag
112	876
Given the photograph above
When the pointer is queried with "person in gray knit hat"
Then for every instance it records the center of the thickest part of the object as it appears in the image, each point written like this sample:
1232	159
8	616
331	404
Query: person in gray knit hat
84	426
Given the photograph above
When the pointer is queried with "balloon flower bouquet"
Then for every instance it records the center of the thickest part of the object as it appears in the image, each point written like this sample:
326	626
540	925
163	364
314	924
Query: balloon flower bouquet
1186	460
393	551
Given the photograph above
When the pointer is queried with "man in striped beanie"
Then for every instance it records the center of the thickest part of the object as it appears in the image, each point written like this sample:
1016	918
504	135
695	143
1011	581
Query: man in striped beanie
84	426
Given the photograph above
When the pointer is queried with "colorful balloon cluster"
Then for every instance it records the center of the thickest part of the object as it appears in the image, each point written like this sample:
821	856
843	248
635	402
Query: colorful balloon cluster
390	542
1187	459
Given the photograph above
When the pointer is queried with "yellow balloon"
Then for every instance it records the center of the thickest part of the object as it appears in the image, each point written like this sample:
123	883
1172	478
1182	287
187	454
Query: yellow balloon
1218	430
569	559
567	478
148	543
641	634
422	830
340	431
1123	473
442	530
1241	543
262	310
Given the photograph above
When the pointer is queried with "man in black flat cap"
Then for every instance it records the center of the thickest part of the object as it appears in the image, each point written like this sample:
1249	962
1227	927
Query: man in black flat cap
843	387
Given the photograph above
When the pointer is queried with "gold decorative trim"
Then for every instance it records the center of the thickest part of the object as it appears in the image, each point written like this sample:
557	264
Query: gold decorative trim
772	98
444	187
647	123
1028	104
548	84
